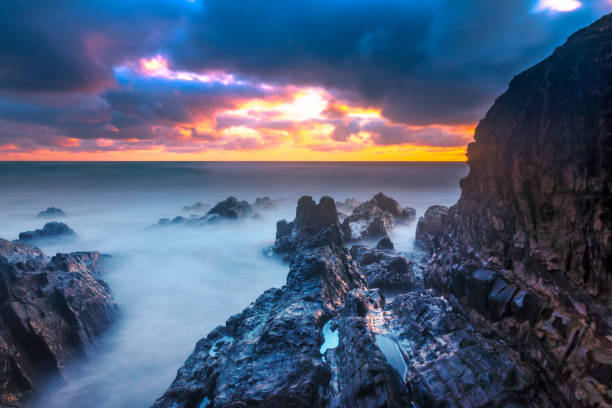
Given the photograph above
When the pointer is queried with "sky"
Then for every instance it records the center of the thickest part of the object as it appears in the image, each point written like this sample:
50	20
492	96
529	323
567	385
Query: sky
264	80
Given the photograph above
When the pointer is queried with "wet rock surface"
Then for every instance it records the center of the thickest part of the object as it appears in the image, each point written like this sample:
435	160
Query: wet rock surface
384	268
525	253
51	312
328	339
375	218
51	212
51	231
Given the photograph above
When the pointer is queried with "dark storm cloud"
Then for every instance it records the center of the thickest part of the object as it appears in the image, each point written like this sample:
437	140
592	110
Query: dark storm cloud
72	45
438	61
421	62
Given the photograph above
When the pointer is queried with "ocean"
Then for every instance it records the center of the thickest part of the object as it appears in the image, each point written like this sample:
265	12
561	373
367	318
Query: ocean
175	284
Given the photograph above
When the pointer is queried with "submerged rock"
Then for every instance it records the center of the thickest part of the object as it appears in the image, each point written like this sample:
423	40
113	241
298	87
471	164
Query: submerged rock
51	212
197	207
376	218
228	209
51	312
51	231
525	252
265	203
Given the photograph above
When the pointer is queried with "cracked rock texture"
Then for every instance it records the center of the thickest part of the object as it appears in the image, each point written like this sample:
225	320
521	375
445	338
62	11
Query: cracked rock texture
51	311
526	253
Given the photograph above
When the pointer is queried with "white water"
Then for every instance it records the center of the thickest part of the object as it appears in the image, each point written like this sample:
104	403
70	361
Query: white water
175	284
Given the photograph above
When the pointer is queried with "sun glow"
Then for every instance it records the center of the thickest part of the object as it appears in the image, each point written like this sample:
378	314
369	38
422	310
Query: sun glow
558	5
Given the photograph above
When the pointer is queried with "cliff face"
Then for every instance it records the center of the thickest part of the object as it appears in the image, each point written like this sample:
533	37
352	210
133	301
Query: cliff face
536	211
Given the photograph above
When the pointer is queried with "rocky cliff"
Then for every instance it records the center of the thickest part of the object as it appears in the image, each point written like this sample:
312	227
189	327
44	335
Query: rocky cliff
526	253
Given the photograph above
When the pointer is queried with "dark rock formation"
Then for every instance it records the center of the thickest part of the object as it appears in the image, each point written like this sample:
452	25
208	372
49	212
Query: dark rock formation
197	207
309	219
51	212
269	355
228	209
385	244
526	252
326	340
265	203
376	218
429	228
50	312
384	269
51	231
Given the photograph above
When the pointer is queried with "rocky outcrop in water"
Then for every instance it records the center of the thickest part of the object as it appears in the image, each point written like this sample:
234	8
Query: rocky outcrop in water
228	209
51	311
51	212
198	207
526	252
327	340
51	231
376	218
309	219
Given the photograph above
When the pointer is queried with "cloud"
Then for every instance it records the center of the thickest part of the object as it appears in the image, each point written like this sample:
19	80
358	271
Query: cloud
324	75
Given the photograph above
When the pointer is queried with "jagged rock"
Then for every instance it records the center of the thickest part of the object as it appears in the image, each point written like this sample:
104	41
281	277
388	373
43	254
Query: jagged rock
535	210
230	208
310	217
51	231
429	228
265	203
384	269
51	212
270	353
197	207
375	218
51	311
385	243
326	340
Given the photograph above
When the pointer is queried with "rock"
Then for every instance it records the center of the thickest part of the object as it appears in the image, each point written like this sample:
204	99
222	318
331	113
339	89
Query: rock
383	269
51	312
385	243
375	218
230	208
265	203
429	228
51	231
535	209
310	218
197	207
327	340
51	212
270	355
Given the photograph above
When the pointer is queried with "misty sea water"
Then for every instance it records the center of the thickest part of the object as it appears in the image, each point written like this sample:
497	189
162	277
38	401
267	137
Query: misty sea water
173	285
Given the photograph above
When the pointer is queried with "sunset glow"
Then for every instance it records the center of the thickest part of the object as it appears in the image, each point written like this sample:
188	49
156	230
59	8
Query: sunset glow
207	81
